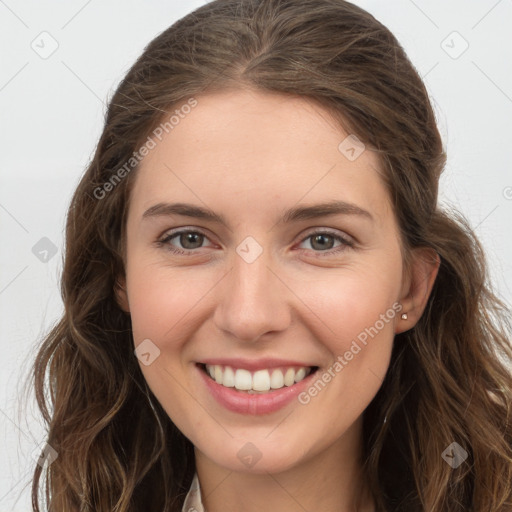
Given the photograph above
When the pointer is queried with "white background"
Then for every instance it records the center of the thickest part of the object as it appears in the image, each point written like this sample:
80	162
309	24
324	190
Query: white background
51	115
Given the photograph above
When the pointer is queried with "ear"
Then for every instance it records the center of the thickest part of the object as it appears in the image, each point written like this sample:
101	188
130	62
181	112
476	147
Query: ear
121	295
419	280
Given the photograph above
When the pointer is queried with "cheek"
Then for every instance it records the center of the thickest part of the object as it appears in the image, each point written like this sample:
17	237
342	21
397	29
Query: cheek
358	309
161	301
162	304
355	300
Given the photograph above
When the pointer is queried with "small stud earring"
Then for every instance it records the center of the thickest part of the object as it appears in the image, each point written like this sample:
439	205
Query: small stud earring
404	316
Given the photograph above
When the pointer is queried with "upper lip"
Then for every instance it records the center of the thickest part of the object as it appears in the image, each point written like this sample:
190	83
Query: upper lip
254	364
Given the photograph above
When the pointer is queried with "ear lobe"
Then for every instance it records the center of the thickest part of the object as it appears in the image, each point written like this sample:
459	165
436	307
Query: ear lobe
121	295
423	271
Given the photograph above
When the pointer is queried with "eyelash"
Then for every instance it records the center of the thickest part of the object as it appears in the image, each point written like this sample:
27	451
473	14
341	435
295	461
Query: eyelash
345	242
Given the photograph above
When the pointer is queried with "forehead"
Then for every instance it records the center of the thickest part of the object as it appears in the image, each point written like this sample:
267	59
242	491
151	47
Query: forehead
251	148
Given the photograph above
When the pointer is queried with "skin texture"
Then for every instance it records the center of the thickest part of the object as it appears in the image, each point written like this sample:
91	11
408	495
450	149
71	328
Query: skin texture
250	155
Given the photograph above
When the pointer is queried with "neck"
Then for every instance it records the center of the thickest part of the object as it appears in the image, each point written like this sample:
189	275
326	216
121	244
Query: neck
331	481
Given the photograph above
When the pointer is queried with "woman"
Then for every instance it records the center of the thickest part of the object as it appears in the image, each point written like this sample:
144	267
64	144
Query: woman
261	369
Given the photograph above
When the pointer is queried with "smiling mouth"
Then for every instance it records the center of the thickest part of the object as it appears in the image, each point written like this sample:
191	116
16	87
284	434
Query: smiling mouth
257	382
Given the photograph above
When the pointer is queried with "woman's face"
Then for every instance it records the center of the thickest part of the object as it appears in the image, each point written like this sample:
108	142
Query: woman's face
271	292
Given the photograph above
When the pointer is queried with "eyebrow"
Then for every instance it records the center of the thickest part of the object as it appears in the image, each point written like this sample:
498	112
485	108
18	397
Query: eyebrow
295	214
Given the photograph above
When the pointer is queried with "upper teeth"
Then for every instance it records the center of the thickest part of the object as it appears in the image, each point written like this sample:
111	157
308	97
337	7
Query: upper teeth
261	380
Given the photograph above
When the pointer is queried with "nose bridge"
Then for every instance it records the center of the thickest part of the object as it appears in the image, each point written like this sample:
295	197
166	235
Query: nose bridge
254	298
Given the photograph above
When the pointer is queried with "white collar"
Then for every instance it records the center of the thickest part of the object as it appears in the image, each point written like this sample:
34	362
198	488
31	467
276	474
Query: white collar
193	501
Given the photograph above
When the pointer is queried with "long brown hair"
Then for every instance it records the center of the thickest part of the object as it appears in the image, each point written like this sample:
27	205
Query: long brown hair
448	379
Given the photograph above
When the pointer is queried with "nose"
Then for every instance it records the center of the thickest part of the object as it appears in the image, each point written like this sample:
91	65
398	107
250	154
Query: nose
253	300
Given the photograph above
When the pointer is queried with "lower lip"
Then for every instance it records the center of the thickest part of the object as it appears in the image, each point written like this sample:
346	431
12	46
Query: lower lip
255	404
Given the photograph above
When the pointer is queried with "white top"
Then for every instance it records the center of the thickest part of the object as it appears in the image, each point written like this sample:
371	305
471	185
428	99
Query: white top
193	501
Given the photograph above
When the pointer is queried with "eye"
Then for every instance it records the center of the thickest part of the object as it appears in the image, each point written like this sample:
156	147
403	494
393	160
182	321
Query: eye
323	240
188	239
